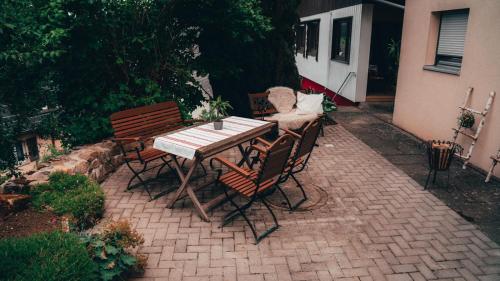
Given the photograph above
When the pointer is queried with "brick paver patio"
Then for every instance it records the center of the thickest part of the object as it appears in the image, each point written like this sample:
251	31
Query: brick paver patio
376	224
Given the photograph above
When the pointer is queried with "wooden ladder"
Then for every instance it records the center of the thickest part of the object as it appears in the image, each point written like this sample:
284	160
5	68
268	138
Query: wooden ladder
495	159
474	136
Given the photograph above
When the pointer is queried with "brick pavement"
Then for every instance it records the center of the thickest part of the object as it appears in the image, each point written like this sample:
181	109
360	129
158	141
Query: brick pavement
377	224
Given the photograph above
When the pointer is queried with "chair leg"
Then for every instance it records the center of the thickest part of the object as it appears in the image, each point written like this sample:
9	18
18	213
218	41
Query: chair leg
165	163
242	213
304	195
272	228
284	196
434	177
427	180
141	181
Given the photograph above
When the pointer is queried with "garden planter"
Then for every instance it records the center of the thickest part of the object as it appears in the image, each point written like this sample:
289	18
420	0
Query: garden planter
218	125
466	120
440	154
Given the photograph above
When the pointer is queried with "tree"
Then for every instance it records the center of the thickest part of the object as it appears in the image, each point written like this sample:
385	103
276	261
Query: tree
246	45
92	58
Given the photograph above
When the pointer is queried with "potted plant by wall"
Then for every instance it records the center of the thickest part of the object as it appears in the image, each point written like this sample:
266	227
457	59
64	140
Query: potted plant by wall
466	120
217	110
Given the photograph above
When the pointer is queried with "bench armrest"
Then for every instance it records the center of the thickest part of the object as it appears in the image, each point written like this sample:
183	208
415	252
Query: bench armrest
230	165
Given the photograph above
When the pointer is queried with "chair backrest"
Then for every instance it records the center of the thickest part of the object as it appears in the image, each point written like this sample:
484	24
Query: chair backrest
276	158
283	98
308	138
260	105
146	121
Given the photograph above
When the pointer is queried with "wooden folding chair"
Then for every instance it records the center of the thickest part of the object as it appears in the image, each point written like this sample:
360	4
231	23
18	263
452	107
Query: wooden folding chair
252	184
306	141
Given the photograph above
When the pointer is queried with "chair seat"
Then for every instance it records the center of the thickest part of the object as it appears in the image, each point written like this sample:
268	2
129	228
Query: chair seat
244	186
147	155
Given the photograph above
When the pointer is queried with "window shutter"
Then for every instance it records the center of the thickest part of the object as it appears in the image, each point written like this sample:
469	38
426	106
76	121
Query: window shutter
452	33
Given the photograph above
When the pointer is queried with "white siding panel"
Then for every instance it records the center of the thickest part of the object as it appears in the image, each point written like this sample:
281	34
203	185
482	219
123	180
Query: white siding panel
330	73
308	67
355	89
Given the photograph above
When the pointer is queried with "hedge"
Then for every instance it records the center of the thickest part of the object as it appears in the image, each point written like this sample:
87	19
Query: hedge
46	257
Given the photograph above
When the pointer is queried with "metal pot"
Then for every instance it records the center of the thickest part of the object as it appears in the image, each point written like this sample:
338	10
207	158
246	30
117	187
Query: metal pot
218	125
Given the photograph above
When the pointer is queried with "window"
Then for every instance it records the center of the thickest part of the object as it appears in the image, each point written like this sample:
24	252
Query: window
312	38
300	39
32	148
341	39
451	41
19	152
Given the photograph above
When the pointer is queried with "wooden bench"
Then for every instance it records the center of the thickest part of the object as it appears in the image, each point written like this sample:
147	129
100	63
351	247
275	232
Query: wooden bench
260	105
134	127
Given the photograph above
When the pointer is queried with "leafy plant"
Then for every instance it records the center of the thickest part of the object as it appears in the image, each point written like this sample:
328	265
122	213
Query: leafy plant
393	50
466	120
73	195
329	104
110	250
50	256
53	152
217	109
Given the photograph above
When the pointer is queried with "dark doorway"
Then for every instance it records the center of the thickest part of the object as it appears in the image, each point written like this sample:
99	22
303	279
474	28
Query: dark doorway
383	67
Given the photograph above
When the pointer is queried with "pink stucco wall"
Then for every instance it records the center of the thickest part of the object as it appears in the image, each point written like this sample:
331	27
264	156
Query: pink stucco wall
426	101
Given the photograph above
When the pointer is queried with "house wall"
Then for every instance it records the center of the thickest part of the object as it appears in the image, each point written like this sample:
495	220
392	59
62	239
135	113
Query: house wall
330	73
426	101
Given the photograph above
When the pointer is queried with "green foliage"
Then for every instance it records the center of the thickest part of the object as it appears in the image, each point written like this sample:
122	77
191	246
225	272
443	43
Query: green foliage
7	158
52	152
217	109
466	119
246	45
329	104
92	58
393	49
73	195
50	256
110	251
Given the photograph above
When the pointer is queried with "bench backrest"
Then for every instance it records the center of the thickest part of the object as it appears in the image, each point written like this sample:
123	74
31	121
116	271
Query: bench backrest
260	105
146	121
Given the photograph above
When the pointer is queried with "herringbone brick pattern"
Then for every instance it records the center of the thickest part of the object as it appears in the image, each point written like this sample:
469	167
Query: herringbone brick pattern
376	224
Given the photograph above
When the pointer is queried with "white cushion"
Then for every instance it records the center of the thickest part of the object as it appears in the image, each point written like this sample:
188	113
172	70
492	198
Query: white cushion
307	104
282	98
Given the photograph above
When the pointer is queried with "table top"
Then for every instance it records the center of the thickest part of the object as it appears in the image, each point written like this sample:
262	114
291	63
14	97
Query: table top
204	141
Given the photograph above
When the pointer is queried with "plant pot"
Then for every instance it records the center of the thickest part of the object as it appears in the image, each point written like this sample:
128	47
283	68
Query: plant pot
218	125
466	120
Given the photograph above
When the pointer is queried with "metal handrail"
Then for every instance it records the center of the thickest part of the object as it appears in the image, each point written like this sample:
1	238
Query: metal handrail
343	83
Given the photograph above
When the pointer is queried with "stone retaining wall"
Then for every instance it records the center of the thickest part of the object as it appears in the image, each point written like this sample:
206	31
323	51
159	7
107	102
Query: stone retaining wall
96	161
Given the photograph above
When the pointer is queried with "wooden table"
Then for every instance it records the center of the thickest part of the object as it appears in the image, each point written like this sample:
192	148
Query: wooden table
205	151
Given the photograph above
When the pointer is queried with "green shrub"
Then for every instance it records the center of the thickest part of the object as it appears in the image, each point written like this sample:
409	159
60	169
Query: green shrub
47	257
110	251
73	195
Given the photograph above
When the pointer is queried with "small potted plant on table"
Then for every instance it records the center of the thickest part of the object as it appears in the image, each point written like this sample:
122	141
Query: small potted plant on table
216	111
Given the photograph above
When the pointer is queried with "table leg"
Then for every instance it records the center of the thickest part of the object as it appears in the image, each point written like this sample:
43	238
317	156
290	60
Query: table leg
184	178
185	186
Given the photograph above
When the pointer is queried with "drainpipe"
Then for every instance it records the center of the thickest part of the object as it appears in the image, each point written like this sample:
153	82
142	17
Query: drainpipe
392	4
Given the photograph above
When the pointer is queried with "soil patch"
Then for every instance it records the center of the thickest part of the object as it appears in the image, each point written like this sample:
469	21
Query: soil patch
27	222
